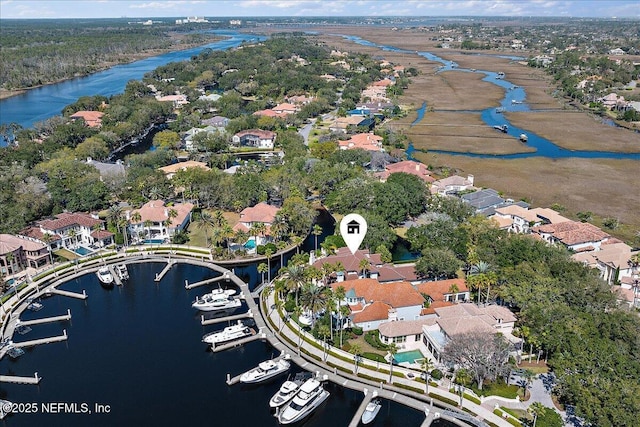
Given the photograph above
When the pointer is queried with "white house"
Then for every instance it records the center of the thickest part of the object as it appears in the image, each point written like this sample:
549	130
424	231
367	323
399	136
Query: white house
70	230
255	138
452	184
156	222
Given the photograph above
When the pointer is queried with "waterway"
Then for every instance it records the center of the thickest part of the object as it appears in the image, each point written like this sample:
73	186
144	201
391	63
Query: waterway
513	101
41	103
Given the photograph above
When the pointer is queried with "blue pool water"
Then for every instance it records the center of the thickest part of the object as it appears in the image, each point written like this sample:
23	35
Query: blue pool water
408	356
153	241
81	250
251	244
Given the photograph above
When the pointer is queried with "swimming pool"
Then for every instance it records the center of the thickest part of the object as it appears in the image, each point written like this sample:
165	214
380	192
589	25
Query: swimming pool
251	244
81	250
153	241
408	356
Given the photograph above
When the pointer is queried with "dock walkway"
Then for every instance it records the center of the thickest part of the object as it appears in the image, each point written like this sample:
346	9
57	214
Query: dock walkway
115	276
225	276
52	319
355	421
20	380
206	322
31	343
164	271
69	294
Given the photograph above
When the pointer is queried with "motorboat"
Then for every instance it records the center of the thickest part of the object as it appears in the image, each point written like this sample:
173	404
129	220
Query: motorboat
122	272
105	276
15	352
306	400
501	128
34	305
230	333
524	137
288	389
371	411
213	302
500	75
264	371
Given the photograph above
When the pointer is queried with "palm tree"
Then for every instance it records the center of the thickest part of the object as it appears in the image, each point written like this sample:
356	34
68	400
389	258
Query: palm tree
365	266
314	298
426	365
227	233
281	246
340	294
481	276
219	219
171	214
298	312
268	253
356	350
297	241
316	231
136	218
536	409
47	239
241	236
463	377
262	268
294	278
324	331
393	350
527	375
205	221
147	224
279	227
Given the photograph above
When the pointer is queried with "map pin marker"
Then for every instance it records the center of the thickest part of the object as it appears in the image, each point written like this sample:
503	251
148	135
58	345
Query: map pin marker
353	228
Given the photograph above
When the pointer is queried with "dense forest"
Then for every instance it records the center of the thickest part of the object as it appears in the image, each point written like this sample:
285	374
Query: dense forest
37	52
564	309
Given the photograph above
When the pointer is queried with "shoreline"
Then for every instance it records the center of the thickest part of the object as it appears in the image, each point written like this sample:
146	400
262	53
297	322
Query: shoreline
9	93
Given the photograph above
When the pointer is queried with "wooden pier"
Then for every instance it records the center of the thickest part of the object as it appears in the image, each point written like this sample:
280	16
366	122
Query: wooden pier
62	318
206	322
358	415
164	271
69	294
225	276
35	380
31	343
116	278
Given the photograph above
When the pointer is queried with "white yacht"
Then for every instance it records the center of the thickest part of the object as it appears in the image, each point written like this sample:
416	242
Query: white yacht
230	333
122	272
104	275
264	371
371	411
524	137
213	302
308	398
288	389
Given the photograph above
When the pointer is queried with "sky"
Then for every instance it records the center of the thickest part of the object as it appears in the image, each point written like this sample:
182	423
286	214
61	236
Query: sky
309	8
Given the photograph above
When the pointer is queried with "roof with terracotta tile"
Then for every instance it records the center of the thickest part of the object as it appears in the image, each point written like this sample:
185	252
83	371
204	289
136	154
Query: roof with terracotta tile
439	288
264	134
372	312
10	243
432	307
395	294
410	167
91	118
366	141
502	221
101	234
261	212
573	232
351	262
66	219
549	215
383	83
180	166
403	328
519	211
35	233
156	211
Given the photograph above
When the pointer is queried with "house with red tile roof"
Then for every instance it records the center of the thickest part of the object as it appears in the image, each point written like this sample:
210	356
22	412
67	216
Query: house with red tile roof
467	318
407	166
19	252
452	184
373	303
350	262
612	260
262	213
451	290
518	218
93	119
365	141
158	222
255	138
170	170
576	236
70	230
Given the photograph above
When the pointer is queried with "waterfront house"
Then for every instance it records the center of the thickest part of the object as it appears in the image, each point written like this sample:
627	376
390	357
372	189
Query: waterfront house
612	260
218	122
155	222
518	218
576	236
452	184
465	318
447	291
349	123
255	138
178	100
372	303
262	213
70	230
408	166
108	171
19	252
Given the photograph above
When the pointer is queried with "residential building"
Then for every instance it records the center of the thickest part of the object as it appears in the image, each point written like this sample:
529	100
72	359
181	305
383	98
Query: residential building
108	170
408	166
612	260
364	141
452	184
451	291
93	119
519	219
349	123
18	253
262	213
255	138
170	170
70	231
154	221
576	236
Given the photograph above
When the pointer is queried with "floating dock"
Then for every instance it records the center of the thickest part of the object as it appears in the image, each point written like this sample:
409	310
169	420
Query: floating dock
31	343
355	421
35	380
116	278
164	271
206	322
69	294
225	276
62	318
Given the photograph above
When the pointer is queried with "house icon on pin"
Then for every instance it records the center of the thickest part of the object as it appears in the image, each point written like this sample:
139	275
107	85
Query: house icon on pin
353	227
